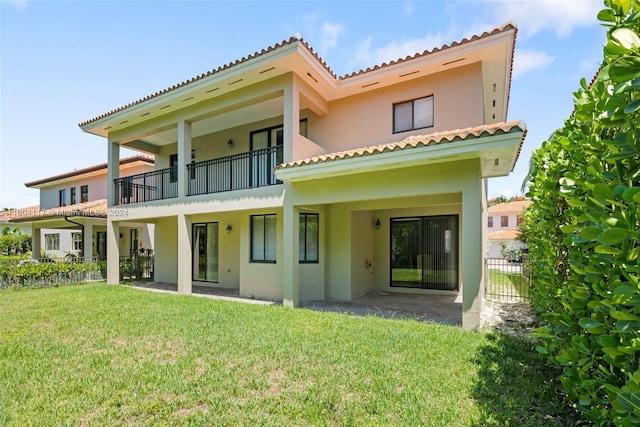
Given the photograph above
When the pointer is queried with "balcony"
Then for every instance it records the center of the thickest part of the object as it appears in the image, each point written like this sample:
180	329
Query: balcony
241	171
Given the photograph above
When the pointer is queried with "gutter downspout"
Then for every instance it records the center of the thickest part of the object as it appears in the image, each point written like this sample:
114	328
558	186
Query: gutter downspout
66	218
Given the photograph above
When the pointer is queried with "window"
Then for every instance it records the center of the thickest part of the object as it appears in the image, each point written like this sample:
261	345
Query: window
263	238
490	221
72	191
519	220
415	114
308	248
504	221
52	242
173	164
76	241
304	127
62	197
84	193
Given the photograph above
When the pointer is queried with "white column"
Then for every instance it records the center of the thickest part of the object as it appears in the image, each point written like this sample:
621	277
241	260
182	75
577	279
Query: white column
113	252
184	156
184	254
290	244
291	118
87	241
36	241
113	170
471	260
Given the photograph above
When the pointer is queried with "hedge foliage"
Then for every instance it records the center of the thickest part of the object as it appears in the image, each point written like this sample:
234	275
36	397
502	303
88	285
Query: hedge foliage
583	233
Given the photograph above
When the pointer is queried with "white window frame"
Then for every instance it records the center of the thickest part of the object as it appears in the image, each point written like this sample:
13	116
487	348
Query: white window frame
76	241
52	242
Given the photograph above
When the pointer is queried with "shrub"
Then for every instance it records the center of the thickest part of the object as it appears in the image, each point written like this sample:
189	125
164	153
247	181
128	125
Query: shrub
583	233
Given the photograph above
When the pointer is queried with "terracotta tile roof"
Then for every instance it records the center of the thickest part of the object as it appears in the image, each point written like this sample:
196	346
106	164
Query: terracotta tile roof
416	142
502	28
125	160
93	209
504	235
515	206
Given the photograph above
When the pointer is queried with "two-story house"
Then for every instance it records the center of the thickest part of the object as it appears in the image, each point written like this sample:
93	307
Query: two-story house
503	221
71	218
280	179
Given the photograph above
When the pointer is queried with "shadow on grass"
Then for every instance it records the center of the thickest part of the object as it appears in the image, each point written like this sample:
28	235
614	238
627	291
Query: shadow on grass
516	388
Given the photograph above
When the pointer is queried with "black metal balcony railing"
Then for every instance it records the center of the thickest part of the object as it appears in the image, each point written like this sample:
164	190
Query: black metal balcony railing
145	187
246	170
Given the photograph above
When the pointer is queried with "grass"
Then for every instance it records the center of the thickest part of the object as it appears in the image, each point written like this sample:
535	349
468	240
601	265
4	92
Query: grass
110	355
507	284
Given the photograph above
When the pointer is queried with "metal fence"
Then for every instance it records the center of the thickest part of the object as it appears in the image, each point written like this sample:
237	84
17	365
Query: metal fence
505	280
137	266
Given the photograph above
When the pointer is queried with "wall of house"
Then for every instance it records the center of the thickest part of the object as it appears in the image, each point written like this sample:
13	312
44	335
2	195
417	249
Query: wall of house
367	119
166	250
362	253
97	182
497	222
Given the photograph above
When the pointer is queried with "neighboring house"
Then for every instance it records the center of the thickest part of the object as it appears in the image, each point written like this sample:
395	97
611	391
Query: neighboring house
280	179
503	220
71	218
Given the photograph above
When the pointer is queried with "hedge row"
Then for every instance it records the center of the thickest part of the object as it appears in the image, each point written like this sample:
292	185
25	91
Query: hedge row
583	232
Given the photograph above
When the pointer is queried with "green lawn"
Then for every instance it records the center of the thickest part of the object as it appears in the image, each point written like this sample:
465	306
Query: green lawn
112	355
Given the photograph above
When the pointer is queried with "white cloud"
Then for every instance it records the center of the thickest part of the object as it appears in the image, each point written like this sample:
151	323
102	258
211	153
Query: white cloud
527	60
17	4
365	56
408	8
329	33
533	16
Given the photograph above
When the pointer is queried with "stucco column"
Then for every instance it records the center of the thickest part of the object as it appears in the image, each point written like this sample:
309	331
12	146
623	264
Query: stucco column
113	171
471	260
290	244
291	126
113	252
87	242
184	156
36	241
184	254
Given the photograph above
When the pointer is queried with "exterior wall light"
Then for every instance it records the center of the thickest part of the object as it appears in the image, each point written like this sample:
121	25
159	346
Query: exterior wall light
228	228
377	224
230	143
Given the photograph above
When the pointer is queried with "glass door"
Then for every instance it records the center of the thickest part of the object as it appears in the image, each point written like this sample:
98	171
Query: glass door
424	252
205	253
263	163
101	244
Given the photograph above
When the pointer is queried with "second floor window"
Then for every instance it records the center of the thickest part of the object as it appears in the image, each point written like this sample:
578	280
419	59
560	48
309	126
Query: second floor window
504	221
414	114
490	221
72	191
84	193
62	197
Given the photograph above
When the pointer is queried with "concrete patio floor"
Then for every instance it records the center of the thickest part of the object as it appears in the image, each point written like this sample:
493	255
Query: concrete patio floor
446	309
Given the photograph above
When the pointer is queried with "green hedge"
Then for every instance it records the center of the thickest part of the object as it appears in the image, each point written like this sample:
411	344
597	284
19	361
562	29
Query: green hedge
17	273
583	232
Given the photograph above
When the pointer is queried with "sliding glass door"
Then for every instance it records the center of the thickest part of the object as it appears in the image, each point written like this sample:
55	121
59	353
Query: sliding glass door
205	252
263	162
424	252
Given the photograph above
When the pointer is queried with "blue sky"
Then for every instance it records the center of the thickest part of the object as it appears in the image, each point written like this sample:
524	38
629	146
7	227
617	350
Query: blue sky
64	62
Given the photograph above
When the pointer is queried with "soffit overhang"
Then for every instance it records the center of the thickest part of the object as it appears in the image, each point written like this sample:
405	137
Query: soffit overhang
497	147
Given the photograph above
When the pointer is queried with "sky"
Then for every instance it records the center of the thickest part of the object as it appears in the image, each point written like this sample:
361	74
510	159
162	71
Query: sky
65	62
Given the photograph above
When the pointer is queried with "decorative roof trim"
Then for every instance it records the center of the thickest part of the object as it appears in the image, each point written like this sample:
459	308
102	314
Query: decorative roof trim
502	28
125	160
415	142
93	209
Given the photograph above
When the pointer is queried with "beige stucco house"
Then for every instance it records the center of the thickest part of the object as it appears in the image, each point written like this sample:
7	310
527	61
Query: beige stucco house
71	218
280	179
503	221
